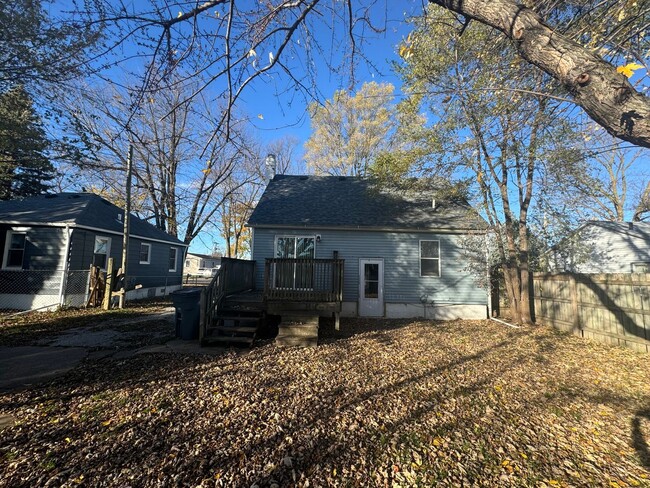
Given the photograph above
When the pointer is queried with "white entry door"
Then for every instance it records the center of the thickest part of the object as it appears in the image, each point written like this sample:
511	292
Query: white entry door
371	287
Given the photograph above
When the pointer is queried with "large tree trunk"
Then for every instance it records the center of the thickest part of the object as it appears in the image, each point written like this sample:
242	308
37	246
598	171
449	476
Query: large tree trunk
606	95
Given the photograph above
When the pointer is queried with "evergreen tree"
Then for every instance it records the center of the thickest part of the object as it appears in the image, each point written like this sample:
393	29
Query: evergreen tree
24	165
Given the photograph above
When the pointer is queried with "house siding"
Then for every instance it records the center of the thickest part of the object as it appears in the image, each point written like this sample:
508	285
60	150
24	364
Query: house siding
44	247
597	249
156	273
400	252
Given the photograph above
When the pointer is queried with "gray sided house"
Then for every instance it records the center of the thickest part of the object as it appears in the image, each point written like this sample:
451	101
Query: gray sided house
603	247
49	242
401	249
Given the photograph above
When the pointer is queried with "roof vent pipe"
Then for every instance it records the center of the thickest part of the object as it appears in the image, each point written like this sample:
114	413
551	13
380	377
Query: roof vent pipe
270	164
433	203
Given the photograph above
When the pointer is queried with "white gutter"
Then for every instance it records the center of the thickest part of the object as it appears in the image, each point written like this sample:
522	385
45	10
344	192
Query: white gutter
64	271
402	230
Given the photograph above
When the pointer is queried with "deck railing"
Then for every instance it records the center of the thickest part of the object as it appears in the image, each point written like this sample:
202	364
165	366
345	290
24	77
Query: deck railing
233	276
305	280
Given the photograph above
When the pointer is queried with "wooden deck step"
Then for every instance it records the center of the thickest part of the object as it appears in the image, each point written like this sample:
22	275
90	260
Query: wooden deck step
239	318
215	340
234	329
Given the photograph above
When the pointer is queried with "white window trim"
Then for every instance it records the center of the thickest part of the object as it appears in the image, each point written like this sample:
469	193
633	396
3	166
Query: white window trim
421	258
10	232
148	261
173	270
108	249
294	236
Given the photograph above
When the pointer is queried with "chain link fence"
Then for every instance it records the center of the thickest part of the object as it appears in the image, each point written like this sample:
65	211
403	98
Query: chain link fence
42	289
48	289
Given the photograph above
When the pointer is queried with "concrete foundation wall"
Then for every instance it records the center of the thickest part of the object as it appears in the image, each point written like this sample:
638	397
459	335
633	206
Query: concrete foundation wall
432	312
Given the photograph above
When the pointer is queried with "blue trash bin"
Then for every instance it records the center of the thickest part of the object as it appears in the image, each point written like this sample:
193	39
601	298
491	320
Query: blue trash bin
187	303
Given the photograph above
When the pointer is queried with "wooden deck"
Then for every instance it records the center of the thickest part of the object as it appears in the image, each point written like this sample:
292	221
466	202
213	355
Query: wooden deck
230	304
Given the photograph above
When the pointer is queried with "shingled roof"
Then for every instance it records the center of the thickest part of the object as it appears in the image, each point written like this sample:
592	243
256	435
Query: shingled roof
78	210
352	202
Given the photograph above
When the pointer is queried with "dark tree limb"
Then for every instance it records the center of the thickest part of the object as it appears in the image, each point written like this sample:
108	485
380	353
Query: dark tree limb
606	95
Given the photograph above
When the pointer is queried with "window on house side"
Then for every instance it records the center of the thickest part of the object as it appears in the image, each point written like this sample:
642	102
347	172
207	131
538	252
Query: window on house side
101	251
429	258
16	250
187	263
145	253
172	259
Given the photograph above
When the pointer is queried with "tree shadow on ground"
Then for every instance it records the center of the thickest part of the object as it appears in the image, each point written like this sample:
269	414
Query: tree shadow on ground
639	442
351	327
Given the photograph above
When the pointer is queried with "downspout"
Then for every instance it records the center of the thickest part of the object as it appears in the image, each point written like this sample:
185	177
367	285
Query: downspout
64	271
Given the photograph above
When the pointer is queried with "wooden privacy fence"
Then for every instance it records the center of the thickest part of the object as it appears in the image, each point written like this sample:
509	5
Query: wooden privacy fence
609	308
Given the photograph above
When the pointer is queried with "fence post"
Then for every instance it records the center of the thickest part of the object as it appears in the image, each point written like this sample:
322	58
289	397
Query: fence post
573	289
108	290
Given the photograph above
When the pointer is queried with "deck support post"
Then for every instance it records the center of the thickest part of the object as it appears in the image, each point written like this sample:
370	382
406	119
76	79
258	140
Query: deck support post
337	320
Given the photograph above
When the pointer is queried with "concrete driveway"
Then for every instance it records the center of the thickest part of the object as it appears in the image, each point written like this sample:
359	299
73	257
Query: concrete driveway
26	365
56	355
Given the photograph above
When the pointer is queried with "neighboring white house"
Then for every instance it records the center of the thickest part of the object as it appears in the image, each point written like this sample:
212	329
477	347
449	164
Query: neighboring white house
201	264
603	247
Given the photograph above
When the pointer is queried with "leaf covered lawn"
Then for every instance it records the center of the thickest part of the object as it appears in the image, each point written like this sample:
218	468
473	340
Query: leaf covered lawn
381	404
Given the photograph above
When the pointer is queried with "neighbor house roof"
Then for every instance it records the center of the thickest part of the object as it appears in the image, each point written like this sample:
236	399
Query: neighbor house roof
83	210
353	202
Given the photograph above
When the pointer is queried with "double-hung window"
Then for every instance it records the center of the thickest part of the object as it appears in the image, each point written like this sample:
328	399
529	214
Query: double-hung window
429	258
101	251
15	252
145	253
172	259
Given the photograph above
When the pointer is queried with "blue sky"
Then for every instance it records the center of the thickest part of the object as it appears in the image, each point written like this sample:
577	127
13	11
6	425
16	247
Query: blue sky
272	105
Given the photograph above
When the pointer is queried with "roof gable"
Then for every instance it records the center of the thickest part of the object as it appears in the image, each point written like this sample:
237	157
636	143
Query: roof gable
353	202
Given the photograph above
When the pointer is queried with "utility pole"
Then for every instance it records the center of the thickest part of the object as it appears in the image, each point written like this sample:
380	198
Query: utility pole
127	213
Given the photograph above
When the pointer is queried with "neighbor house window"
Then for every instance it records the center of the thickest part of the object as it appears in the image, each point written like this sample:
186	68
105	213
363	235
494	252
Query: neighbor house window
172	259
429	258
15	253
187	263
102	249
145	253
640	267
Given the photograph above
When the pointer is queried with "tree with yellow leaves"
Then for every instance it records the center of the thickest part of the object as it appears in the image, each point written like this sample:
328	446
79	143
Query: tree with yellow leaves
349	132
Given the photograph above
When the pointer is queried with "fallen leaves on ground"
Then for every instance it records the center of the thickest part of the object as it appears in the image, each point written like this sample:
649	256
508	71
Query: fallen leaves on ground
406	404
